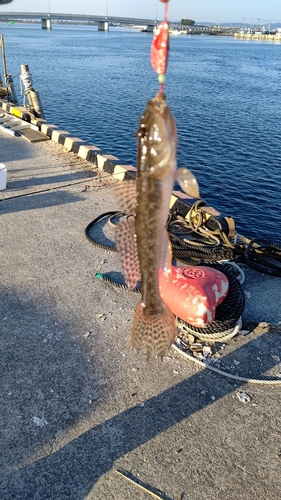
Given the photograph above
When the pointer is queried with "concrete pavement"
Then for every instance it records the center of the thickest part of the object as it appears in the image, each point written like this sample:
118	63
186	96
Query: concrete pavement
76	401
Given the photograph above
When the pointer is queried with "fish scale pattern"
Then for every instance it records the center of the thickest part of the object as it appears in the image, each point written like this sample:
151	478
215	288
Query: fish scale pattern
125	194
126	246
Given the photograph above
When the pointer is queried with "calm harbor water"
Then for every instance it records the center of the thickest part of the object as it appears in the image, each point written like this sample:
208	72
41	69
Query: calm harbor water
224	94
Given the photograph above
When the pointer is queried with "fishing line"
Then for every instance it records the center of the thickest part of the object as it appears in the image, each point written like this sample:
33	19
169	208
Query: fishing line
160	48
55	188
10	23
166	18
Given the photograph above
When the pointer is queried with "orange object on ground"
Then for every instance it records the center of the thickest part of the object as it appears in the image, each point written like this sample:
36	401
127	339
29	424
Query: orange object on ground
193	293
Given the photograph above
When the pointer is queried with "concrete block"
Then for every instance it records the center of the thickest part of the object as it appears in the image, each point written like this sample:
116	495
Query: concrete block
107	163
85	152
101	159
63	137
92	157
124	172
20	112
38	122
76	145
48	128
111	157
59	136
6	106
109	167
70	141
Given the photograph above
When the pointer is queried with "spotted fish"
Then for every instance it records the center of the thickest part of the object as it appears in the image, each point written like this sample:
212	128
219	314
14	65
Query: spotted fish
141	237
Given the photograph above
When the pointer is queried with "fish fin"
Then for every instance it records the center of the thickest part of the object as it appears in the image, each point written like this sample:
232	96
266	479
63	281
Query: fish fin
166	255
187	181
125	193
126	246
159	331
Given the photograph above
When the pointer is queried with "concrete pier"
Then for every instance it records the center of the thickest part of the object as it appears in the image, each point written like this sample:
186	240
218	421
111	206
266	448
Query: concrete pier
258	36
46	24
76	401
103	26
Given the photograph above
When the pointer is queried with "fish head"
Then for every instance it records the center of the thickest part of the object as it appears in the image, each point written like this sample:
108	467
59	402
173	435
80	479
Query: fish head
157	139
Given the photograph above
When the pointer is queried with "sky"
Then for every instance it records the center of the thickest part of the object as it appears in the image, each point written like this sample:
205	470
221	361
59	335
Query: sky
215	11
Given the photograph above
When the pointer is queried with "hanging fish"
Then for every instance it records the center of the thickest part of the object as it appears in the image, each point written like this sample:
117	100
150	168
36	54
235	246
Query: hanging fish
141	237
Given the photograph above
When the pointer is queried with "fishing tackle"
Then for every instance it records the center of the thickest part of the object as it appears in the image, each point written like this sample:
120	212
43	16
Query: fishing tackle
160	48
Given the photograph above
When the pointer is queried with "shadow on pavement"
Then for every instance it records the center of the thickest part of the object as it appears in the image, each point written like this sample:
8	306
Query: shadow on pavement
46	382
69	471
39	201
10	146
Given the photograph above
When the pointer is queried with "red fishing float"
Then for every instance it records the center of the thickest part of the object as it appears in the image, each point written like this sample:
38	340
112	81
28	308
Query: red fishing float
193	293
160	48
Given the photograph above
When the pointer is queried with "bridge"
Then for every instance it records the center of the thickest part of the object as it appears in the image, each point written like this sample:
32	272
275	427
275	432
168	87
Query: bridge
101	21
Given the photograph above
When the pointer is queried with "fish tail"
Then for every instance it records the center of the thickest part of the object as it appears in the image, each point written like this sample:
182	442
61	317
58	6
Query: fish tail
159	330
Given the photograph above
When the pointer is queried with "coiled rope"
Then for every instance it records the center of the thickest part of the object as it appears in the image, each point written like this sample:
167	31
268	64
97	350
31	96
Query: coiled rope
224	326
193	243
222	329
204	364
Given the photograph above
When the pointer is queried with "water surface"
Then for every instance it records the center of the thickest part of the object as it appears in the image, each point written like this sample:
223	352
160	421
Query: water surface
224	93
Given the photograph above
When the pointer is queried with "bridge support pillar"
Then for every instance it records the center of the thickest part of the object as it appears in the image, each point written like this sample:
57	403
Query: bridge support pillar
103	26
46	24
150	27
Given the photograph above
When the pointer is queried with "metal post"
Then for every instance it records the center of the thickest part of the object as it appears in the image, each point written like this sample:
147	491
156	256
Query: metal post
10	89
1	83
3	56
